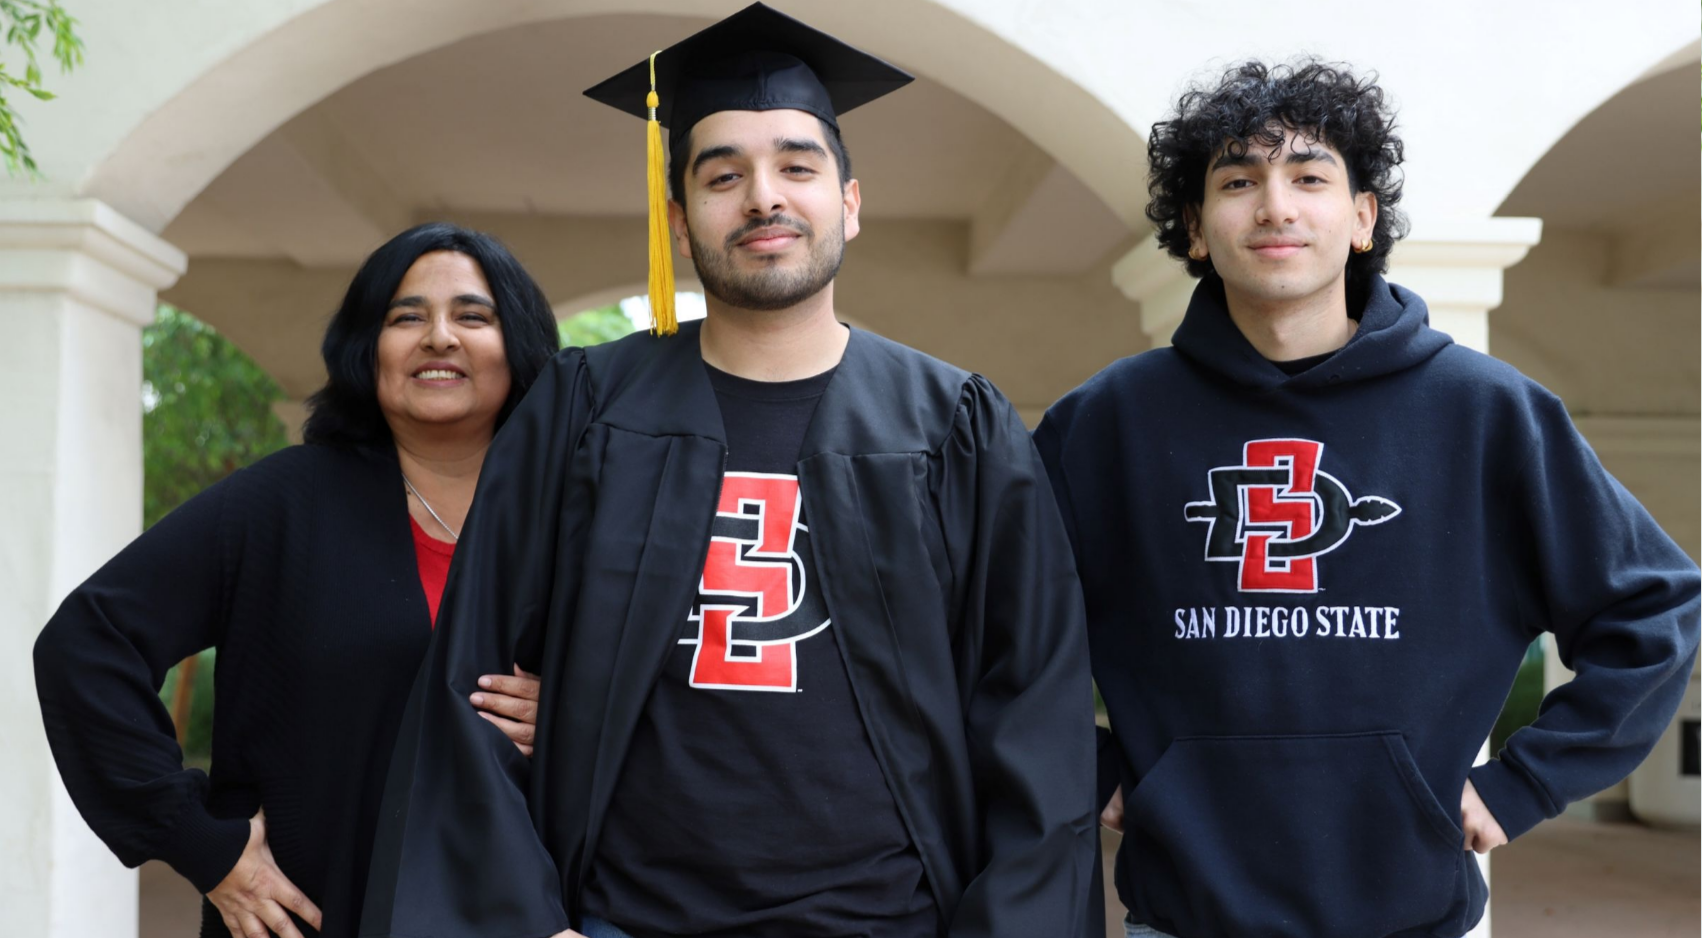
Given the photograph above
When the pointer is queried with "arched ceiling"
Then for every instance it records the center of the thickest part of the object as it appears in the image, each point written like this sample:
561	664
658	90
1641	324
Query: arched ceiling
1625	160
1630	173
496	123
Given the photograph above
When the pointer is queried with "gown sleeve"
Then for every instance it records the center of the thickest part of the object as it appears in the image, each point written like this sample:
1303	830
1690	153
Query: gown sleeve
456	852
1621	600
99	665
1048	441
1024	670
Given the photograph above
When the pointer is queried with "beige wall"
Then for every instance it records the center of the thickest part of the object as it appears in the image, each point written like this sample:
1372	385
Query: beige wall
1607	350
1624	359
1035	337
274	310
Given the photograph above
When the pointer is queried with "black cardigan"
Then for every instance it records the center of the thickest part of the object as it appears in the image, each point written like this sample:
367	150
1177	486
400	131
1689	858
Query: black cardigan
301	571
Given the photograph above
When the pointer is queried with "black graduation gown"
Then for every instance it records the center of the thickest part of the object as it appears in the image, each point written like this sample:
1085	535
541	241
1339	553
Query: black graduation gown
946	572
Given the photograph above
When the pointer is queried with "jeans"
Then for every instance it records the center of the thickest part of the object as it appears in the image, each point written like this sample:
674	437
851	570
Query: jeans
597	928
1133	930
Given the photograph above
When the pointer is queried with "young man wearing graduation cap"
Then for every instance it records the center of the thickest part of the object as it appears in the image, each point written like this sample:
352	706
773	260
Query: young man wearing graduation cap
811	640
1316	538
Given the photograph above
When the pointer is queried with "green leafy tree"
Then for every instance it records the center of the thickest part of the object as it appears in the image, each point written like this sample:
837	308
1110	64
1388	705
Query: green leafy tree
594	326
25	21
1523	701
198	736
207	410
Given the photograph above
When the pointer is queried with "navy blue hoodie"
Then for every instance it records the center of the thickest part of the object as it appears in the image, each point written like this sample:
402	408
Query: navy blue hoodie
1307	598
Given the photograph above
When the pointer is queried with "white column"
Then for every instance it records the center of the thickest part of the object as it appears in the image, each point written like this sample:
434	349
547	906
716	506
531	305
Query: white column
1456	266
1151	277
78	282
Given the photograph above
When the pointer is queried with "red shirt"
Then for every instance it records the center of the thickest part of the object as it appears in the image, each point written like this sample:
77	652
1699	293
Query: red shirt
433	556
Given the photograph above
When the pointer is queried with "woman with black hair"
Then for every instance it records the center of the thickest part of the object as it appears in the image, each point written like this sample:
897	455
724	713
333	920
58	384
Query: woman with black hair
316	573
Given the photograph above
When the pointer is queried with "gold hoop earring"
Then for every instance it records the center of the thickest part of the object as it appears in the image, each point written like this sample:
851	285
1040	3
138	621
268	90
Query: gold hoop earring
1196	254
1364	248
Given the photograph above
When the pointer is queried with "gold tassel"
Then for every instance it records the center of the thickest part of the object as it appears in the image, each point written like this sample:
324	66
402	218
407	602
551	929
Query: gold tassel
662	320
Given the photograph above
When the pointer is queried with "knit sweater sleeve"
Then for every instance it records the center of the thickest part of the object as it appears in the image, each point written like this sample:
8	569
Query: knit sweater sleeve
1621	601
99	665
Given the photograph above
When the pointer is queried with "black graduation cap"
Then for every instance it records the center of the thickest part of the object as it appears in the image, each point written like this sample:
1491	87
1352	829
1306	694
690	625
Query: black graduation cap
758	59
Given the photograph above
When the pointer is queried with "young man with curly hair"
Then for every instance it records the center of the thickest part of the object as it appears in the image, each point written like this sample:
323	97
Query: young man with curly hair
1316	537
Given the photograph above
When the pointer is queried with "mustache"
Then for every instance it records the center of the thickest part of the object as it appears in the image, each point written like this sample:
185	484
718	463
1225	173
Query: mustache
773	221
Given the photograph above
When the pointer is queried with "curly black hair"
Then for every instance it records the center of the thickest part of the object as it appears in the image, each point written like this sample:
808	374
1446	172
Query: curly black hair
1256	105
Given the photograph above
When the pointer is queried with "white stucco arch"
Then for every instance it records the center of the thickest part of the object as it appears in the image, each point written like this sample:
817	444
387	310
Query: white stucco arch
1685	55
1482	90
1485	89
1586	312
1664	58
174	133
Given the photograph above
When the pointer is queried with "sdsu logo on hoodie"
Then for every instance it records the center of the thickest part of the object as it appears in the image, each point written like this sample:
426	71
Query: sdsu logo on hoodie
1277	512
1273	516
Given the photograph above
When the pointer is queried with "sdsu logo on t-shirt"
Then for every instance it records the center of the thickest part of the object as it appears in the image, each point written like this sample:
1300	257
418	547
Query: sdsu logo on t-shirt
757	599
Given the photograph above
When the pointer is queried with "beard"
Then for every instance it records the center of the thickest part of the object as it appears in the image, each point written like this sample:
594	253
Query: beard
769	287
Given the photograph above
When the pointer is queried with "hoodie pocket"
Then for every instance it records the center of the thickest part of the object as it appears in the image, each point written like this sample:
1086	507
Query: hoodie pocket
1304	836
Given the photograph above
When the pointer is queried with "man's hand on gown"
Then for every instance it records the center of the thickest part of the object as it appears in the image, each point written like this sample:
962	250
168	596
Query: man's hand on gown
511	703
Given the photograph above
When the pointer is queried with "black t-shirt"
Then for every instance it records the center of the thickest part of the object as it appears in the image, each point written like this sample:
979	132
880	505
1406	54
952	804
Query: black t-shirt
1295	366
750	803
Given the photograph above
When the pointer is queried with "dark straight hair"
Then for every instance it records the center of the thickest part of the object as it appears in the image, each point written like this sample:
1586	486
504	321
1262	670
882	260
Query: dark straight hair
345	411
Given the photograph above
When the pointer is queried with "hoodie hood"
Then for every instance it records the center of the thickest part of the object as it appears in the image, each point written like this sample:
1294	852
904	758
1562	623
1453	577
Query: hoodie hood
1394	335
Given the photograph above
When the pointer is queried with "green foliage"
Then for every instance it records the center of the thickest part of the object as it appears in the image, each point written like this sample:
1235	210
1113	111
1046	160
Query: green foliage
207	411
594	327
24	21
198	745
1522	702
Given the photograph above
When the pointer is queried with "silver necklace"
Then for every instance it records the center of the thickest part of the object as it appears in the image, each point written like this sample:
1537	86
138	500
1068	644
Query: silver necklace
432	511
